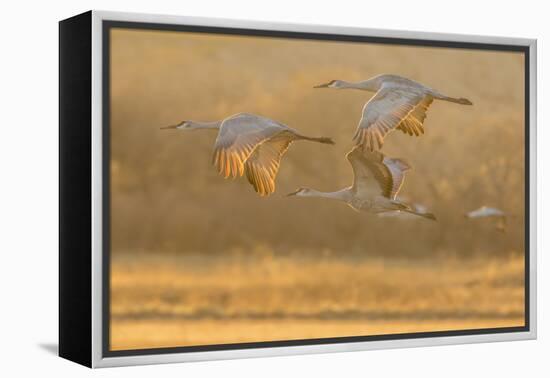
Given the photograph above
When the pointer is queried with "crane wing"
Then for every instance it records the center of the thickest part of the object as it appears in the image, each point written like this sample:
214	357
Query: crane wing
388	109
397	169
414	123
238	137
262	166
375	174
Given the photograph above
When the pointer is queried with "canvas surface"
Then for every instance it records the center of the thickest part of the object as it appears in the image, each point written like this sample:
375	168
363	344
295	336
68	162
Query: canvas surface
197	259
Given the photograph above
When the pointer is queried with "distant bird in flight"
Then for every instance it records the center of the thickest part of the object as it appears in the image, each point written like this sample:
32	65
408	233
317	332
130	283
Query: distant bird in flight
376	183
399	103
250	144
490	212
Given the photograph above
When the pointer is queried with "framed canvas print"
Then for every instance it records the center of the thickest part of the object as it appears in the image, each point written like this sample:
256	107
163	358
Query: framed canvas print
237	189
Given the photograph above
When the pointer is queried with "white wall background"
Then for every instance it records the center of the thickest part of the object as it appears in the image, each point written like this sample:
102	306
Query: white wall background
28	167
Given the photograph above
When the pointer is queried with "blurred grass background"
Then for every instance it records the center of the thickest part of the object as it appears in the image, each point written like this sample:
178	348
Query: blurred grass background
255	295
167	201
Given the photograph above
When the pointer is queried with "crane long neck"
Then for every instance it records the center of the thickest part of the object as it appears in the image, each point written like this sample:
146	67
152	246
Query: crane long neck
214	125
340	195
365	85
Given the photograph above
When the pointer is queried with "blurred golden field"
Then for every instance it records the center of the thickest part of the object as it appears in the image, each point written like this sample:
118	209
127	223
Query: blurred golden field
191	300
197	259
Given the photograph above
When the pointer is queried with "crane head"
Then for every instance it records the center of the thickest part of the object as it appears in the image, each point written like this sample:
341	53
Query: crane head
179	126
330	84
300	192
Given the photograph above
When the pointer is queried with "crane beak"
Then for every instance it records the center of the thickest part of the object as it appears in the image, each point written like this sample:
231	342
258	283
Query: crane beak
169	127
322	85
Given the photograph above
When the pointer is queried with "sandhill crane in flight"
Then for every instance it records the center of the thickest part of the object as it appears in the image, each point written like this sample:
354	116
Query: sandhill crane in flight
250	144
399	103
376	183
490	212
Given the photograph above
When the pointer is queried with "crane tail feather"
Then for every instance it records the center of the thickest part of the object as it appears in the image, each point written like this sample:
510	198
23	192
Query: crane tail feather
461	101
323	140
